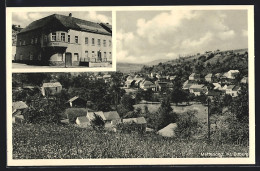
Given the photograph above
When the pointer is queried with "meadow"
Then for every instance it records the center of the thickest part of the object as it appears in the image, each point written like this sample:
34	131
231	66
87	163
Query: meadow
51	141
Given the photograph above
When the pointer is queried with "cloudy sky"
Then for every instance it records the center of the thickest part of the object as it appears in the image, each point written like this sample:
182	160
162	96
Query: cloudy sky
144	36
25	18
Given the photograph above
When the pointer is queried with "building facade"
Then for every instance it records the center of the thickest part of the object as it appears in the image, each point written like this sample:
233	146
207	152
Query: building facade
64	41
15	30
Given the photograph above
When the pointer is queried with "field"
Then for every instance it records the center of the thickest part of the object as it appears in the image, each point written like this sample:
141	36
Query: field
69	142
202	110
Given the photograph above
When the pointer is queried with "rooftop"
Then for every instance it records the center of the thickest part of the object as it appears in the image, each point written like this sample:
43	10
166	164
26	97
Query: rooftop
67	22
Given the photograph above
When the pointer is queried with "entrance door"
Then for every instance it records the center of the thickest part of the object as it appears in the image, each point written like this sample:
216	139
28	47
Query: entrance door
68	59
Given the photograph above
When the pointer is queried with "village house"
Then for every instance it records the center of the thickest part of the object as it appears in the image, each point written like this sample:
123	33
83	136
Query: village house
210	78
51	88
18	109
194	77
107	78
244	80
197	90
187	84
231	74
232	90
83	121
160	86
77	102
217	86
64	41
109	118
145	85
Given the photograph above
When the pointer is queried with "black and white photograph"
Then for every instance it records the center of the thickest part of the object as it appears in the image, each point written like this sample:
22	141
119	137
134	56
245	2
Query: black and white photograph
182	92
62	39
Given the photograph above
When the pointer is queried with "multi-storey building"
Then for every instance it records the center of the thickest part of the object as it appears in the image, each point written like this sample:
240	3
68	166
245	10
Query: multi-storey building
64	41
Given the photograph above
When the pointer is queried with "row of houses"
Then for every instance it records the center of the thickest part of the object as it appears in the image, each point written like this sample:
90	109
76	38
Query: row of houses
229	87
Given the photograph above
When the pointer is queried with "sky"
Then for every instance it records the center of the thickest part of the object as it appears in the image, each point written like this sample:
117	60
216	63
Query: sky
25	18
144	36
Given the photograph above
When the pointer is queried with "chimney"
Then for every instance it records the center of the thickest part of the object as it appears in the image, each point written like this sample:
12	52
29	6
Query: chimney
70	14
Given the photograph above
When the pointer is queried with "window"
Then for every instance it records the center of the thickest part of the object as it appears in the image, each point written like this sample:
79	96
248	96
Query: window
62	37
32	41
24	42
36	40
76	57
31	56
105	54
93	41
86	40
110	55
93	54
68	38
76	39
110	42
86	53
20	42
104	43
53	36
98	42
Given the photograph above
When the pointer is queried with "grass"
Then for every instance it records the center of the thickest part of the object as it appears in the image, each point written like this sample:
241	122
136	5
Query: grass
202	110
49	141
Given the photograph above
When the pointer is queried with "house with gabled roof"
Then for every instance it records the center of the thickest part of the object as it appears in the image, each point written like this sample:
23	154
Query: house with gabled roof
145	85
244	80
198	89
83	121
77	101
187	84
108	117
233	90
64	41
210	78
51	88
194	77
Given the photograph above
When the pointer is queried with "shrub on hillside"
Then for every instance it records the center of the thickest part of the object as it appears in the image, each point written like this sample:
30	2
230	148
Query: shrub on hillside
73	113
187	124
131	127
230	130
97	123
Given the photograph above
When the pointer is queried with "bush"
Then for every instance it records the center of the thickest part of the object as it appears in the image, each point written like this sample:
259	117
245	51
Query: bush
97	123
230	130
131	127
43	110
187	124
73	113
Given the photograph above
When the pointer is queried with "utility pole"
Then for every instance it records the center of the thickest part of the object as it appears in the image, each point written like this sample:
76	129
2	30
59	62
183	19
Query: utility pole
208	119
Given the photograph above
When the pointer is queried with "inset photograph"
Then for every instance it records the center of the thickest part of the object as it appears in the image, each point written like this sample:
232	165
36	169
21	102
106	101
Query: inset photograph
61	39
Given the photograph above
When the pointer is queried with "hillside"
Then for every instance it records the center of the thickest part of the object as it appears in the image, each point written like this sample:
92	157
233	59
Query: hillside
128	67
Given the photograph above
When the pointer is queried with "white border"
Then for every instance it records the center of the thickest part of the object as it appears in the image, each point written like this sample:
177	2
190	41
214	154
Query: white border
152	161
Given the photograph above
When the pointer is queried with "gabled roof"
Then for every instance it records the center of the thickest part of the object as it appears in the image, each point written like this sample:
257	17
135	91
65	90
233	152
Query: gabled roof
139	120
130	77
230	87
90	115
55	84
111	115
83	119
74	98
19	105
148	83
67	22
208	75
107	26
197	86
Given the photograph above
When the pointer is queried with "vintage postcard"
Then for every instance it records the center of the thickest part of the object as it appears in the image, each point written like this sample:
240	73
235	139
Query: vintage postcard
182	92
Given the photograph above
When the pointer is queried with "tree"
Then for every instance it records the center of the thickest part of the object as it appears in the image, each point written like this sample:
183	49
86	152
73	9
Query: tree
97	122
166	114
240	104
127	101
187	124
